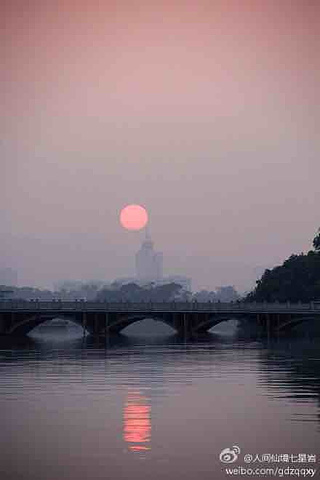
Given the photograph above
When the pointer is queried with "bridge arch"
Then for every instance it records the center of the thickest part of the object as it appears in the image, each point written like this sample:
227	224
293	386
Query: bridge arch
213	320
24	326
289	324
124	321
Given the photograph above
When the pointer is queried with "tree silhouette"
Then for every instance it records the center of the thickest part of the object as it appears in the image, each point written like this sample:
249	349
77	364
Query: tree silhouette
297	279
316	242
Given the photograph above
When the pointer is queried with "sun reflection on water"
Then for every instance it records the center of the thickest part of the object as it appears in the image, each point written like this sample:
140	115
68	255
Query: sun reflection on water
137	422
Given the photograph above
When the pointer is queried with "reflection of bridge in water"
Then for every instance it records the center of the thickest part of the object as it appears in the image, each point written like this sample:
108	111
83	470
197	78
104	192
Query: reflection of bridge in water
187	318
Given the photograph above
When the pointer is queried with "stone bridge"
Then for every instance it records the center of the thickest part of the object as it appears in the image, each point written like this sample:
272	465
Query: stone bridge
189	319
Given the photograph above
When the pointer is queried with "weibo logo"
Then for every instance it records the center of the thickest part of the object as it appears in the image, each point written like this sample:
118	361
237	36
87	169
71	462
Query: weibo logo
229	455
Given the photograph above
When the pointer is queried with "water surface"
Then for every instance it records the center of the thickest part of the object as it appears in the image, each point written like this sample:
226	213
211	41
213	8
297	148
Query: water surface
160	408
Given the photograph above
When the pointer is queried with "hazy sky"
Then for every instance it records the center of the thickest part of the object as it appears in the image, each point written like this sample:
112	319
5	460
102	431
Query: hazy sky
207	113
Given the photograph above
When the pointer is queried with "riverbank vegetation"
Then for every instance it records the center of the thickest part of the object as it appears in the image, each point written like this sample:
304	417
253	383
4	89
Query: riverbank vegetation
297	279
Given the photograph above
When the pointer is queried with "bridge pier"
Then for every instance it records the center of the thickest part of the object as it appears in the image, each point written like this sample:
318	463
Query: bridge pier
2	324
95	324
187	326
84	323
184	325
106	325
268	325
106	329
258	320
6	322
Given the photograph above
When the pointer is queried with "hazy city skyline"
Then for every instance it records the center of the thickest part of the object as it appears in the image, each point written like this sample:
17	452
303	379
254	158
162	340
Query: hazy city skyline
205	114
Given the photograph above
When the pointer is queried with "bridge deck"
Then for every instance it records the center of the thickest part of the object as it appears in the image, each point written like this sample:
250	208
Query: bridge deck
162	307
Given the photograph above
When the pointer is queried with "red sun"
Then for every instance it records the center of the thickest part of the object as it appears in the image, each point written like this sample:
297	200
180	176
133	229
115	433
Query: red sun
133	217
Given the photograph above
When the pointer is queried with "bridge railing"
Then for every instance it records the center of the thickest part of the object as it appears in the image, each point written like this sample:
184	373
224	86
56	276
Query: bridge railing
40	305
73	306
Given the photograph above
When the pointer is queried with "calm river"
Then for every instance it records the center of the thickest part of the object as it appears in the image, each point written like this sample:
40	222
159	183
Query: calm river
158	408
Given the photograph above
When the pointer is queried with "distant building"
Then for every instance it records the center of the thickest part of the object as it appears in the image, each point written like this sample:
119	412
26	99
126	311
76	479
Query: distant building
227	294
149	264
149	269
185	282
8	277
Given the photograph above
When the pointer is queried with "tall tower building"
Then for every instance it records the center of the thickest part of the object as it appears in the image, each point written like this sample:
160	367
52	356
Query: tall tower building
148	262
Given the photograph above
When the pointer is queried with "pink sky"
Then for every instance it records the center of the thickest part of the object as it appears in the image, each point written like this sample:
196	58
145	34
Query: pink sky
206	114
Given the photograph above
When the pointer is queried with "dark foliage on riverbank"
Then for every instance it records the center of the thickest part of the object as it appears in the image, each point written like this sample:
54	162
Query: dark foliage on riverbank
297	279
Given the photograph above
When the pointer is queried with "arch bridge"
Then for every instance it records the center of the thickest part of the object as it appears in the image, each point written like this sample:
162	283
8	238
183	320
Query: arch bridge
18	318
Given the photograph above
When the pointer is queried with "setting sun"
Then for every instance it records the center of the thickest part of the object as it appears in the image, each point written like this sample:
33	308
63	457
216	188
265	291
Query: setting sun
133	217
